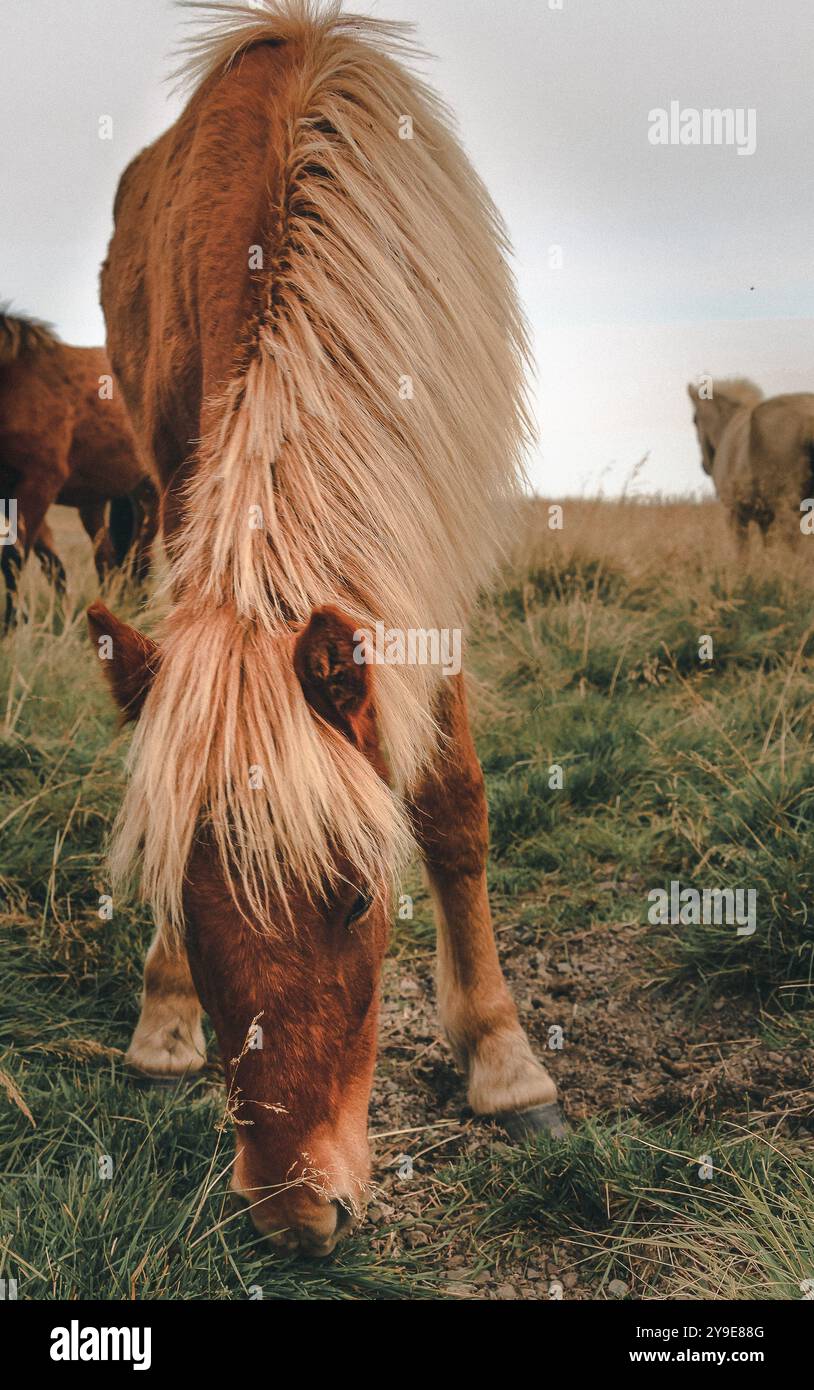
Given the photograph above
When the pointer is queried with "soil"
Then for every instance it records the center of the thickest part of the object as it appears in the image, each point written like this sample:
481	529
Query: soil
629	1046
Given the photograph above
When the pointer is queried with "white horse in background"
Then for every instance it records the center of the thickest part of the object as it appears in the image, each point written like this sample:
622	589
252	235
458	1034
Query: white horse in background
759	453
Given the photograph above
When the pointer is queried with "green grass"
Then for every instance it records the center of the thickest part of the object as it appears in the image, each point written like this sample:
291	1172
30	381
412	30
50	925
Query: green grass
163	1225
587	659
678	1214
672	768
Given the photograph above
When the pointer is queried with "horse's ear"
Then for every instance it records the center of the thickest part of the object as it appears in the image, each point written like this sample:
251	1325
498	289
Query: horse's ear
331	666
129	659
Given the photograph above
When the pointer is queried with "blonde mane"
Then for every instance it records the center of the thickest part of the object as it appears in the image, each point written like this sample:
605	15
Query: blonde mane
739	390
369	455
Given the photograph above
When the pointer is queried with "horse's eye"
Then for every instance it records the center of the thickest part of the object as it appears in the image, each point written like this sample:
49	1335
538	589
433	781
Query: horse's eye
360	907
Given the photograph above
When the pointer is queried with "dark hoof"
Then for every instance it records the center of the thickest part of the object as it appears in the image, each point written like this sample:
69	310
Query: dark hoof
539	1119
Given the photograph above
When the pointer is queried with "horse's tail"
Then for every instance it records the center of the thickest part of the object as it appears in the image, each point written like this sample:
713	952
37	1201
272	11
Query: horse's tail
19	335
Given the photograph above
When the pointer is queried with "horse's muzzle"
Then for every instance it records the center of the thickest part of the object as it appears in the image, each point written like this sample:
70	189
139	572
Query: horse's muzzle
316	1233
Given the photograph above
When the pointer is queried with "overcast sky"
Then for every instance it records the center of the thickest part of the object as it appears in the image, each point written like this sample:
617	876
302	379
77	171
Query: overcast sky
675	259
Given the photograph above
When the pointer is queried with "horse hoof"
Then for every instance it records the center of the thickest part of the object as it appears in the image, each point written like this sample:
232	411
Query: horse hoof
538	1119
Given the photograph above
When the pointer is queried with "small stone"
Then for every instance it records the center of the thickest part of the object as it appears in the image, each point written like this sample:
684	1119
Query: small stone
506	1291
569	1280
461	1290
617	1288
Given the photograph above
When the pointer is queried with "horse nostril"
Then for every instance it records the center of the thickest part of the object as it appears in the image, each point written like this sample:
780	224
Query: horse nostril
344	1217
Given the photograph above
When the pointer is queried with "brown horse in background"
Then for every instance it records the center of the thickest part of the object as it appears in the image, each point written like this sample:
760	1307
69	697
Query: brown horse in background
65	437
319	342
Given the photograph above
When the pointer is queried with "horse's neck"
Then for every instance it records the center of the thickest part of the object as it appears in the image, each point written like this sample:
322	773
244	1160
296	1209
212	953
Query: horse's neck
733	416
733	445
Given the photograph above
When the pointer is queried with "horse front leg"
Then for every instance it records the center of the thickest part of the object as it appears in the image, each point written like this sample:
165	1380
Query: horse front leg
50	563
478	1015
38	488
168	1042
146	507
11	564
92	516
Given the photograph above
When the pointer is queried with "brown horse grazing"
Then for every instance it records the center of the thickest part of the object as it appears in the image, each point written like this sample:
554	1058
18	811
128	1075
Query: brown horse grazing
65	438
318	338
759	454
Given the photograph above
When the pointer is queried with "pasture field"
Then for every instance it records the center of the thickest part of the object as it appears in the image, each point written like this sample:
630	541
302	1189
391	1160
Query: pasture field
686	1064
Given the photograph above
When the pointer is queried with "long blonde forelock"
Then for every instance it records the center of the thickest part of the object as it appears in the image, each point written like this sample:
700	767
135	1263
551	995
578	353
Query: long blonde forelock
275	787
